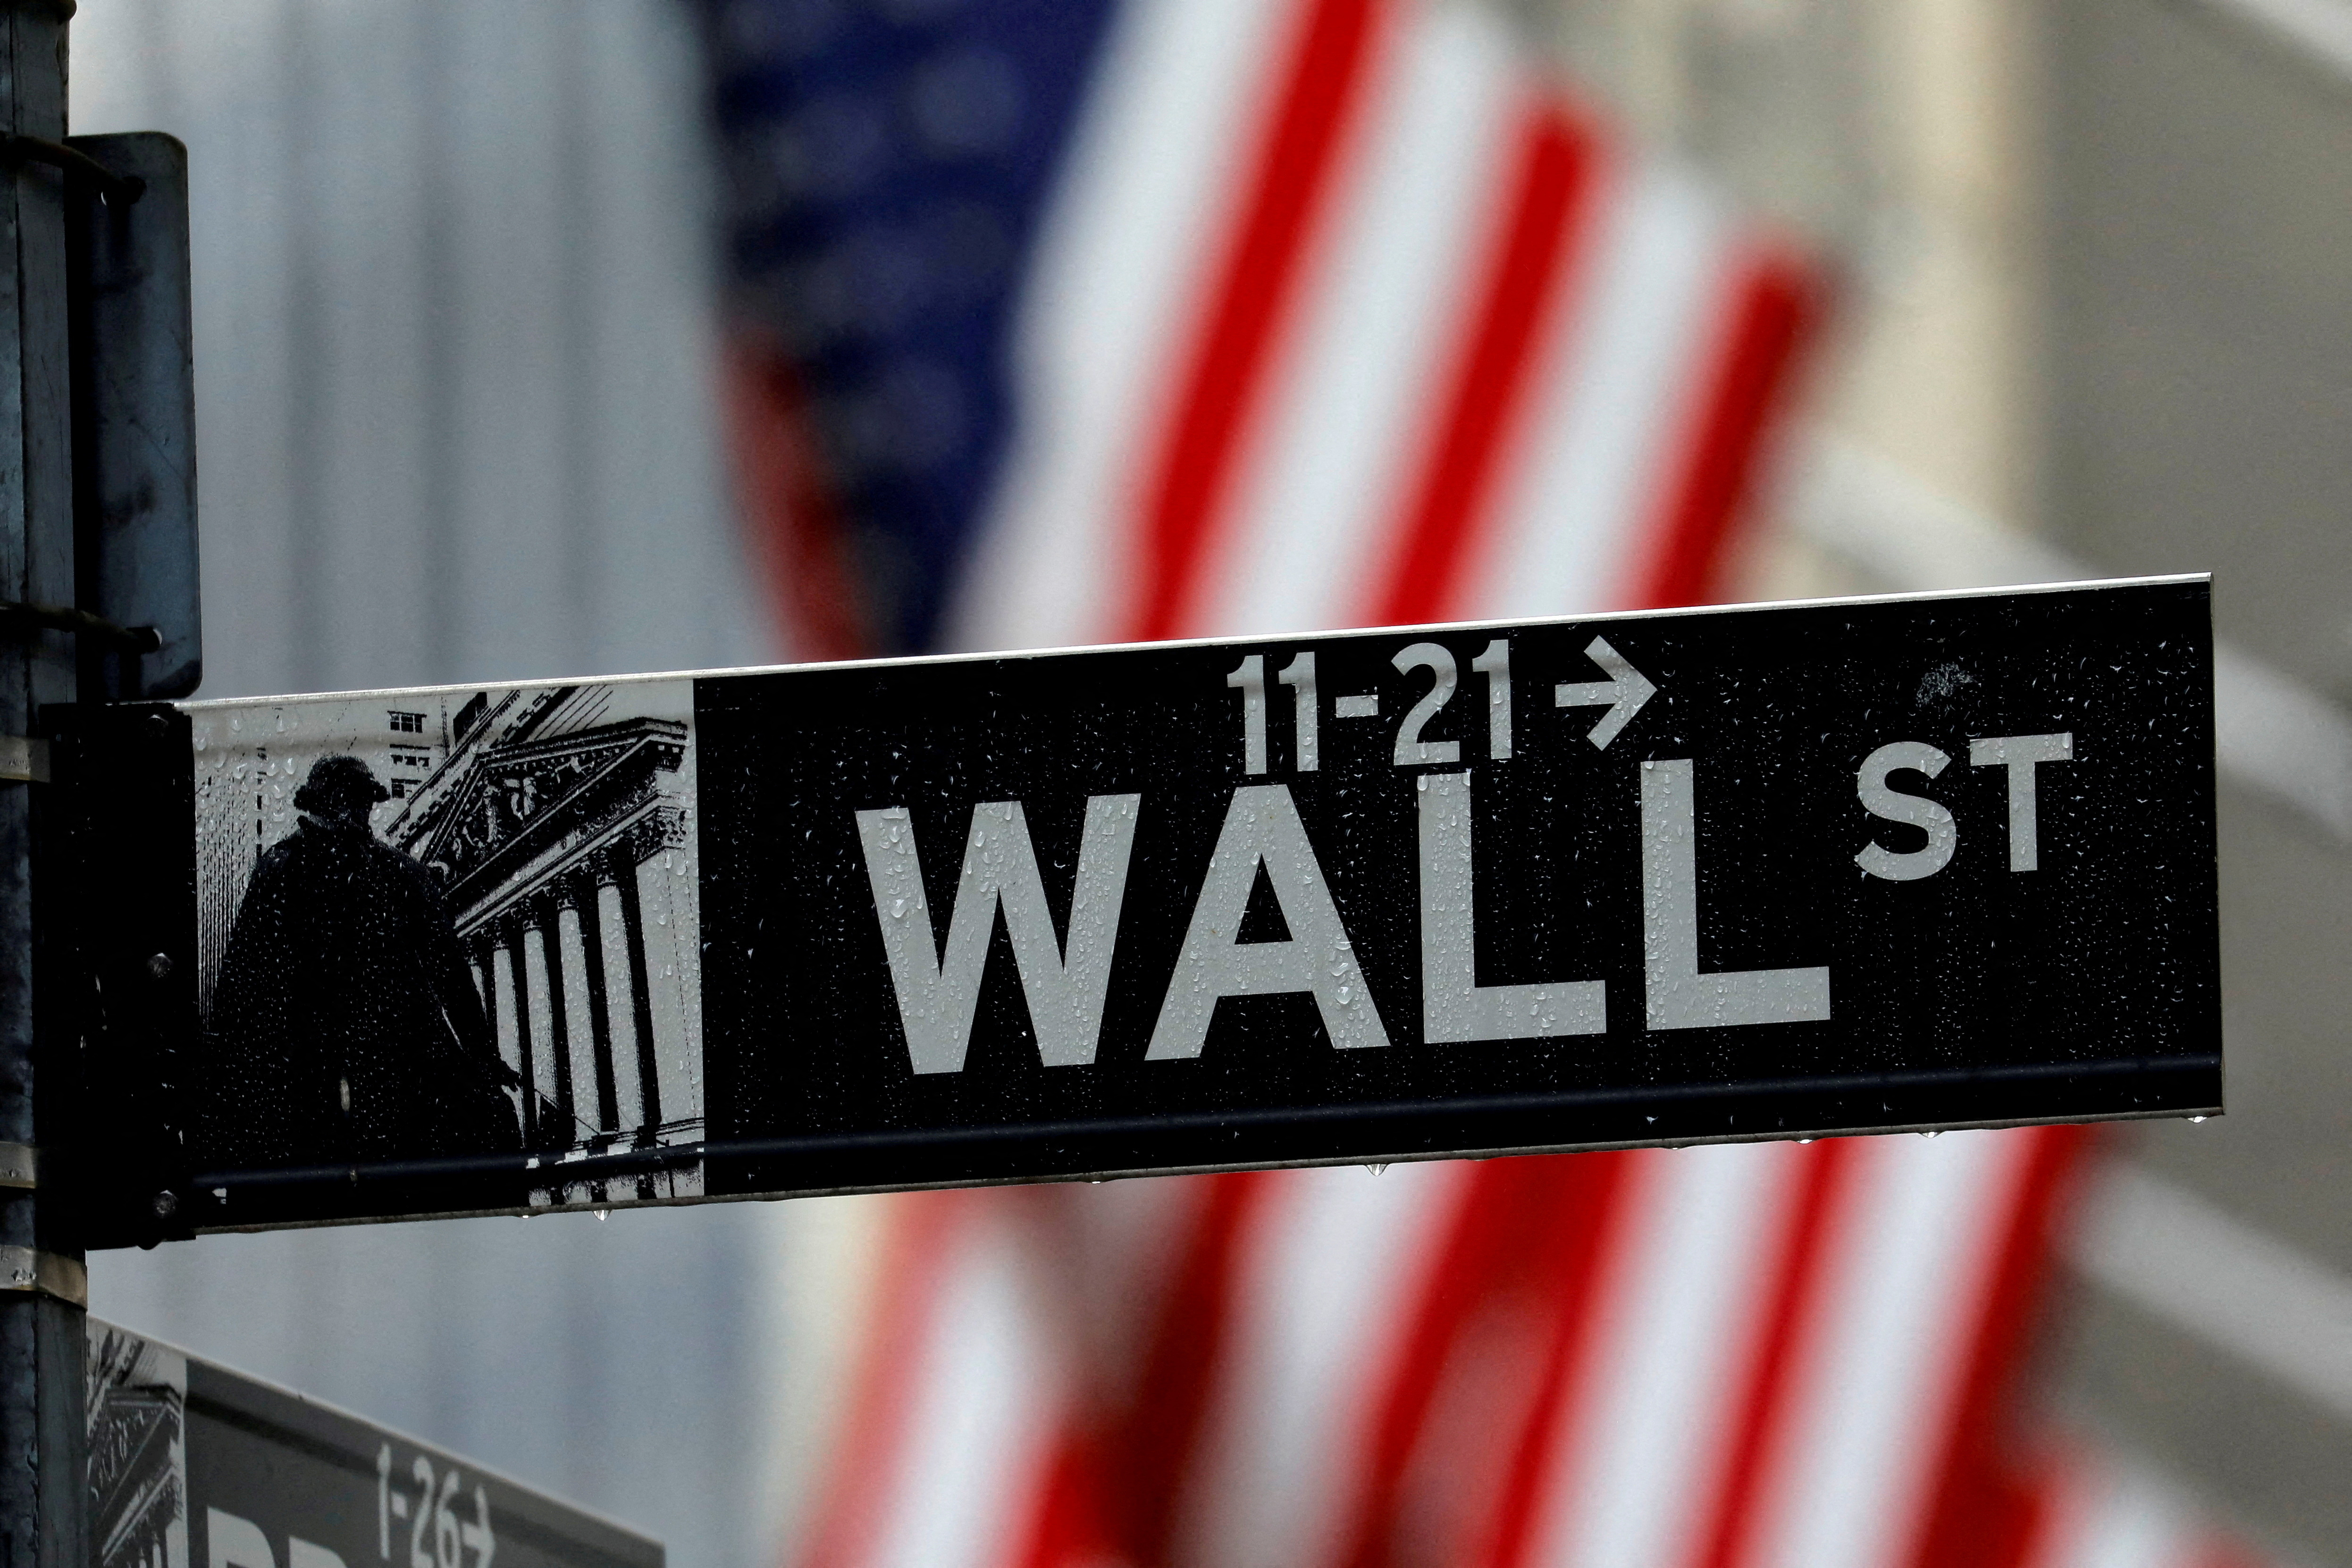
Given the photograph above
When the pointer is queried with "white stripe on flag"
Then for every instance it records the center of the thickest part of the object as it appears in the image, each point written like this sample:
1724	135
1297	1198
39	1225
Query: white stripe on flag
2106	1517
987	1399
1649	1439
1624	345
1130	235
1327	1281
1911	1260
1388	296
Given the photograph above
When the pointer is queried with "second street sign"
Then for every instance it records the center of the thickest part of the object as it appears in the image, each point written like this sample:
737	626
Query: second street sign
1731	874
191	1462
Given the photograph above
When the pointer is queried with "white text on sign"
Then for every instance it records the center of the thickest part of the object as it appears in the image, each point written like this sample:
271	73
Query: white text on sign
1066	977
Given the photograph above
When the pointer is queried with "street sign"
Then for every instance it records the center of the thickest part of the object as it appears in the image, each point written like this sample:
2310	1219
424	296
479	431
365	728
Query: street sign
1760	872
192	1463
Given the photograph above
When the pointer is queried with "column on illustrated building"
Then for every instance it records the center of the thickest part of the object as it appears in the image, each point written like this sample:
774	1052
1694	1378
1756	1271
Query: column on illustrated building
666	916
549	1025
582	985
583	949
572	1037
508	934
484	955
621	952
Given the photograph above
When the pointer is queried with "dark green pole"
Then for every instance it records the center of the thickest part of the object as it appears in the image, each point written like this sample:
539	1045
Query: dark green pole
43	1459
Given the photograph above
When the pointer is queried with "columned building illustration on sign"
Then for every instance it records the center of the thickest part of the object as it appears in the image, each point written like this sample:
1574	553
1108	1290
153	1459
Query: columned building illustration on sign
557	822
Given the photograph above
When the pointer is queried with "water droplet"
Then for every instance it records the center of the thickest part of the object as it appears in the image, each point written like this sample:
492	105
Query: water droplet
1933	1133
604	1214
2196	1120
897	909
1347	995
1377	1167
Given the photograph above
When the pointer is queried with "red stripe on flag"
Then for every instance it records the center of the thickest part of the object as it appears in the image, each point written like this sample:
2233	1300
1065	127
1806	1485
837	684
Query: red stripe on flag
792	528
1981	1511
1793	1292
1549	212
2050	1486
1288	189
1157	1437
857	1492
1066	1528
1508	1291
1601	1240
1498	1200
1774	306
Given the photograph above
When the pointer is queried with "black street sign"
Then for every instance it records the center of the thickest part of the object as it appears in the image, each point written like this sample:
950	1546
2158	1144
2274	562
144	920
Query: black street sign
192	1463
1743	873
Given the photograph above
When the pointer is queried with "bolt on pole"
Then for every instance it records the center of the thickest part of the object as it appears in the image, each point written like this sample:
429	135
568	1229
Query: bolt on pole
43	1441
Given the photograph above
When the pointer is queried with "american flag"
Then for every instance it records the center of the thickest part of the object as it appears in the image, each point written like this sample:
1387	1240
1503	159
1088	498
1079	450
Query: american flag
1094	321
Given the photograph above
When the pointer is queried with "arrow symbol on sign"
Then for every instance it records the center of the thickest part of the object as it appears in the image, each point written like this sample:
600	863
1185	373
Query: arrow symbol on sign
1622	694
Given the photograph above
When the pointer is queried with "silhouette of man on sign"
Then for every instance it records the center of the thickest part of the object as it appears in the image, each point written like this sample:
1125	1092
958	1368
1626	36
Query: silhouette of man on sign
345	1027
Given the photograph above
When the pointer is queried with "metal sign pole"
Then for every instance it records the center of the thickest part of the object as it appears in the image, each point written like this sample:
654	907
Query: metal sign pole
42	1437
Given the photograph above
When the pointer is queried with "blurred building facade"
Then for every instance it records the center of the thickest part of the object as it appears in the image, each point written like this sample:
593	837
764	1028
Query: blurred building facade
457	420
2197	369
2099	322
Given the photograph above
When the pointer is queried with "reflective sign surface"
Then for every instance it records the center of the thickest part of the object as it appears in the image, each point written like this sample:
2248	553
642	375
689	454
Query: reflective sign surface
1732	873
